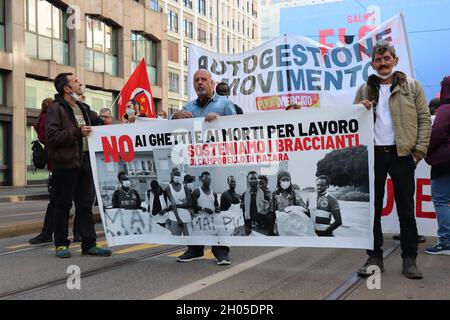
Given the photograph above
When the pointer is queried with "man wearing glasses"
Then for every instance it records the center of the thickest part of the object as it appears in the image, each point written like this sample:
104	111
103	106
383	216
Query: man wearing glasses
105	114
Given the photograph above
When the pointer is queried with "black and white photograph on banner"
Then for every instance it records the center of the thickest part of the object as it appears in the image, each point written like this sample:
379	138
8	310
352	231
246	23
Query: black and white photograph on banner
282	180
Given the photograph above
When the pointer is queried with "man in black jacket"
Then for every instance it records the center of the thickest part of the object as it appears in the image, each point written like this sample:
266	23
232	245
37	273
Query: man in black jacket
69	123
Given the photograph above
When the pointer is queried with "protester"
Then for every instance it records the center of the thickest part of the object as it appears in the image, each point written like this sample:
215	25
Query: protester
210	106
222	89
255	206
326	207
188	182
205	201
162	115
126	197
106	116
131	111
46	234
68	125
438	157
229	197
433	105
267	221
402	132
155	198
285	196
180	201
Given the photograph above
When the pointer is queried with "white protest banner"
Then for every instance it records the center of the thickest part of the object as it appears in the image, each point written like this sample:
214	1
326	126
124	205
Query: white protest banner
297	70
254	179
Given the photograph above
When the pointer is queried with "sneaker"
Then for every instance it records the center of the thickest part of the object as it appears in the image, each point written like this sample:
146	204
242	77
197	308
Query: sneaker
41	238
372	261
62	252
97	251
439	249
189	256
223	260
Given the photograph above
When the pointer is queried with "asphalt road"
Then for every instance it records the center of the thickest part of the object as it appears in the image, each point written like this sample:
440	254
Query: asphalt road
146	271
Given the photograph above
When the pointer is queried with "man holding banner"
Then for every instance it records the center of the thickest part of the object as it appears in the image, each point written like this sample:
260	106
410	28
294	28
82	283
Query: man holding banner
209	105
402	132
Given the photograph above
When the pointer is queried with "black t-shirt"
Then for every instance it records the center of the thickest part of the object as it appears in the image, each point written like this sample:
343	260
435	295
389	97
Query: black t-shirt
227	199
126	199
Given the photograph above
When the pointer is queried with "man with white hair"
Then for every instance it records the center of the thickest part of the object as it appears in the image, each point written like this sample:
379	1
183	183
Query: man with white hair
208	105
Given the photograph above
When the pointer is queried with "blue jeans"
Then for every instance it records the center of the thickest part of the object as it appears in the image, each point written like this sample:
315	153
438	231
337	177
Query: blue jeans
440	194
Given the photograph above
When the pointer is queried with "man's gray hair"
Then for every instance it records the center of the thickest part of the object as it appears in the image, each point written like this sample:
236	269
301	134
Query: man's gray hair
205	70
105	110
381	47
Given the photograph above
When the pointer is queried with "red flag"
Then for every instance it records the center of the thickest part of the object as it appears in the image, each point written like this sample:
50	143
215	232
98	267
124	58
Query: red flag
138	88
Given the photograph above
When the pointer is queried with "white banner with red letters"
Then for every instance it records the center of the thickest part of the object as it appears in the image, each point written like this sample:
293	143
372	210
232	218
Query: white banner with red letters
285	178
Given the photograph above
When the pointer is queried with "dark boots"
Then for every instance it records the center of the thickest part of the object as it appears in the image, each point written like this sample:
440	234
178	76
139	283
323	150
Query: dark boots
366	269
410	269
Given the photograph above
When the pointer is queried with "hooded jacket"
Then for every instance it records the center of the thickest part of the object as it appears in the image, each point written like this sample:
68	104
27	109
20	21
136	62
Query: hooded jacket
64	139
438	155
409	111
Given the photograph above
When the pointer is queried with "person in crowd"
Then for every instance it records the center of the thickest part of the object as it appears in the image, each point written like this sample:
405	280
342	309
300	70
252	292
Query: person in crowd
68	125
255	205
188	182
46	234
179	203
126	197
438	157
267	221
433	105
132	110
229	197
402	131
162	115
155	198
106	116
285	196
327	207
222	89
209	106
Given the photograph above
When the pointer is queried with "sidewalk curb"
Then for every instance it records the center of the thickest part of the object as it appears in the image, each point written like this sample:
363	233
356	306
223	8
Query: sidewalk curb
29	227
20	198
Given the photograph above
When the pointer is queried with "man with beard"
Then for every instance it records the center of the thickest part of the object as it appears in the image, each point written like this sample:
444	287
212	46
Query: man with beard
230	196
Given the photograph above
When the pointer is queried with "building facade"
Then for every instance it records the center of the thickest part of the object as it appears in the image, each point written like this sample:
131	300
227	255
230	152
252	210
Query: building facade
101	41
225	26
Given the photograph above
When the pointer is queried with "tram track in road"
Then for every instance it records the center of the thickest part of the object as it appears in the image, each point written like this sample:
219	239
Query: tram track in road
347	288
114	266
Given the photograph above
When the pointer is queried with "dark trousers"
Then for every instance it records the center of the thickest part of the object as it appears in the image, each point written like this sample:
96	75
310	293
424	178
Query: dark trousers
48	228
74	185
215	249
401	170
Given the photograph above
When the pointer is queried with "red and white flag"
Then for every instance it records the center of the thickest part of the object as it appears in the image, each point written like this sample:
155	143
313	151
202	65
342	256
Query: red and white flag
138	88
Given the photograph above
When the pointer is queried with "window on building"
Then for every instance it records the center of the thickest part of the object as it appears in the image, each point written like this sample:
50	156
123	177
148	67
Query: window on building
46	33
185	55
201	32
36	91
2	25
172	109
202	7
188	28
173	51
2	90
98	99
5	129
174	82
187	3
101	53
172	21
154	5
144	47
185	85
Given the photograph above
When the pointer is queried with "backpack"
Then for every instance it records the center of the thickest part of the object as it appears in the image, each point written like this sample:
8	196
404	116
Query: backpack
40	155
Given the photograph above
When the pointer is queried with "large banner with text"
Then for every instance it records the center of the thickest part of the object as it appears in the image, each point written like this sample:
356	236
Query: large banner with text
293	178
298	70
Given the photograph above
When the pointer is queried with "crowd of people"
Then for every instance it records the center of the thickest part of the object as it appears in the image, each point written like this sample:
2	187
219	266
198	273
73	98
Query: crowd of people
403	137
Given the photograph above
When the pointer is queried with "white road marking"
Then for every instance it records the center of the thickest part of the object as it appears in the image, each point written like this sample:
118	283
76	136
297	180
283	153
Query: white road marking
220	276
